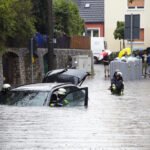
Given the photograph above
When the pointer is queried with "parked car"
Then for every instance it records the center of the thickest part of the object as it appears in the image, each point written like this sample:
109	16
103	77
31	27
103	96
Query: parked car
42	94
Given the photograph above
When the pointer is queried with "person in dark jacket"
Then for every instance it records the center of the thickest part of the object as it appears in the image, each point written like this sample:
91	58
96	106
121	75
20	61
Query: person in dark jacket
117	85
144	63
106	62
148	63
4	93
113	80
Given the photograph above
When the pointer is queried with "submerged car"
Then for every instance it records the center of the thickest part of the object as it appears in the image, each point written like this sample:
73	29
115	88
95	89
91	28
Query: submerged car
74	76
47	94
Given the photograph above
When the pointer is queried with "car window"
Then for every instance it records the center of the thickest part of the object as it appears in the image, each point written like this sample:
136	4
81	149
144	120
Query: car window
70	88
67	88
26	98
76	97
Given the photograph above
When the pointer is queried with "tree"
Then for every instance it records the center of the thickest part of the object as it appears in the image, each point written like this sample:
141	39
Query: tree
25	21
119	32
16	21
40	12
67	18
7	22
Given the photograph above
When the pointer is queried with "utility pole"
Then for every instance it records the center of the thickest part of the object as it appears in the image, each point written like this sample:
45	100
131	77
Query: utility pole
31	41
50	35
131	37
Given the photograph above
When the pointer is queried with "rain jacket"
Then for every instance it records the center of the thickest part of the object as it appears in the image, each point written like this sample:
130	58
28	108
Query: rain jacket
148	59
117	85
106	60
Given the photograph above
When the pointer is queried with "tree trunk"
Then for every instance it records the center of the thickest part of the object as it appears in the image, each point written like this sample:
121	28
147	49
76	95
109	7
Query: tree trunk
123	43
120	45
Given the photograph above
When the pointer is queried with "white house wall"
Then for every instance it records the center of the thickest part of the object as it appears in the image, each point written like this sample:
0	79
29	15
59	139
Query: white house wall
116	11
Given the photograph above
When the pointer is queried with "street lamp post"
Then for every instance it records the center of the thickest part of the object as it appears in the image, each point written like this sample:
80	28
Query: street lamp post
50	35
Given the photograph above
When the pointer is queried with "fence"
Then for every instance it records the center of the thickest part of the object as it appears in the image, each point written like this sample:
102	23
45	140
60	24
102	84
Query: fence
80	42
64	41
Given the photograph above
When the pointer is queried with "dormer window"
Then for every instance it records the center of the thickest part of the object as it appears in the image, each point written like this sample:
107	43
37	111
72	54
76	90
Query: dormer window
87	5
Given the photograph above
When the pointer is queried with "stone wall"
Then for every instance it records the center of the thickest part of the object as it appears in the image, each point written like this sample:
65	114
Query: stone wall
1	73
19	62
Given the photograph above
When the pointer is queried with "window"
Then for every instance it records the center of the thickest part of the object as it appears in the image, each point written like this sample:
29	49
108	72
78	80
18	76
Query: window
141	39
93	32
87	5
27	98
76	98
131	7
89	33
136	4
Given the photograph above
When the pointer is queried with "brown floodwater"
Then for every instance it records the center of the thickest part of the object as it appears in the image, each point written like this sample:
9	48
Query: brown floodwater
109	123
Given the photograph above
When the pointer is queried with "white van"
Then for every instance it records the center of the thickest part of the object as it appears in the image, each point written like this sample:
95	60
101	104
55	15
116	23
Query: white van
97	45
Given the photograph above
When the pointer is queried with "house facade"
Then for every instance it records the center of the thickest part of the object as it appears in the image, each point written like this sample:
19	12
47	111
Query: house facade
117	12
92	12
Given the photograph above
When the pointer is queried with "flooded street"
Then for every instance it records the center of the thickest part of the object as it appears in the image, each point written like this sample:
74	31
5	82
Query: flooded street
109	123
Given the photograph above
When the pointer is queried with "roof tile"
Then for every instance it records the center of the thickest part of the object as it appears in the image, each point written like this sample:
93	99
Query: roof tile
94	13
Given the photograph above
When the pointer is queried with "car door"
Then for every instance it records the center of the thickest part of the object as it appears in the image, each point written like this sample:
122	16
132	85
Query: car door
77	97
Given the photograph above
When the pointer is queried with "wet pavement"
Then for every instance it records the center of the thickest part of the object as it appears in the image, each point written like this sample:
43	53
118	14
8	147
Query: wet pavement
109	123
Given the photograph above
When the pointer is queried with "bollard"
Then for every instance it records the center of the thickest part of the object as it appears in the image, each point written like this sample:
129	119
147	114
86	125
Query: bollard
86	98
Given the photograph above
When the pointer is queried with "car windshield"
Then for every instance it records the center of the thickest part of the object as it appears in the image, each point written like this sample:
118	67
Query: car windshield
26	98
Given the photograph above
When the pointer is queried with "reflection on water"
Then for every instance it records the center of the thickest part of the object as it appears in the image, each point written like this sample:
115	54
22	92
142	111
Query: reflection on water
110	122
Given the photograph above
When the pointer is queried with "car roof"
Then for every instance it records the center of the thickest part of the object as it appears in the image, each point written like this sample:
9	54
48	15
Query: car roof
39	87
74	76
